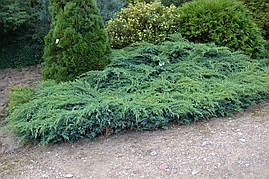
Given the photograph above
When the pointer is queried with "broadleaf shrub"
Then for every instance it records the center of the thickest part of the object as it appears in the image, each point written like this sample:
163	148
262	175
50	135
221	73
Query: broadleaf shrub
77	41
145	87
260	11
142	22
226	23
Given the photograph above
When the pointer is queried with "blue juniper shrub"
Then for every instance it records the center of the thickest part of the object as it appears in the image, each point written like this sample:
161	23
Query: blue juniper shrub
145	87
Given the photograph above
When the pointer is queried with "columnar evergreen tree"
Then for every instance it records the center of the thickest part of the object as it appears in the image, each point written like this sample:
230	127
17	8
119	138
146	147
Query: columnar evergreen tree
77	41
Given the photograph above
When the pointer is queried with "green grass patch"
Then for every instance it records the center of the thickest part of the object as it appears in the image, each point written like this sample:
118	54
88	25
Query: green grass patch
145	87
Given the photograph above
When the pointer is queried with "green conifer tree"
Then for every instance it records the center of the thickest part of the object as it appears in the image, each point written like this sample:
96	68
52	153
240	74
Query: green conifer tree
77	41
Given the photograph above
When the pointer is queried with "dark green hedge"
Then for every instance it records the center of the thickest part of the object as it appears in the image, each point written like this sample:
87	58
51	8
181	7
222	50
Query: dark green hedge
260	12
225	23
177	3
23	25
145	87
21	54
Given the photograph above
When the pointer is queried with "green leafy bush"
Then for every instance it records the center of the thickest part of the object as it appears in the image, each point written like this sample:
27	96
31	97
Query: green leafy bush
19	95
177	3
145	87
226	23
260	11
142	22
108	8
77	41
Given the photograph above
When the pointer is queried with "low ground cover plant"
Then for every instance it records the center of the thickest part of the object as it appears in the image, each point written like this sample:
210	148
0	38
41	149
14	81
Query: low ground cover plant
145	87
226	23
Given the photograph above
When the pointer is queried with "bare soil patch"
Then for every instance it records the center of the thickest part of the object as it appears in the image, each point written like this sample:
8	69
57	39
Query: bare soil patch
20	76
14	77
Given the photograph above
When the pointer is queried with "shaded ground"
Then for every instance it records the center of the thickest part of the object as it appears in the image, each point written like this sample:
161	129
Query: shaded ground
236	147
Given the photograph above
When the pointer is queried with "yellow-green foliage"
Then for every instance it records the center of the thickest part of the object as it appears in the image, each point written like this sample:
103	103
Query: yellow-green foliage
19	95
142	22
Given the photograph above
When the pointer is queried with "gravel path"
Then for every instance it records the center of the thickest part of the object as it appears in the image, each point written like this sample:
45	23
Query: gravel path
236	147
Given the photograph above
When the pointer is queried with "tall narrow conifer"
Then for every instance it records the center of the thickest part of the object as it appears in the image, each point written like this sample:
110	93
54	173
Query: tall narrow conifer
77	41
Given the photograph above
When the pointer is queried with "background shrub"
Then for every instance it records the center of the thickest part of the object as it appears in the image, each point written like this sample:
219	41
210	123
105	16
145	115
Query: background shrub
21	53
266	51
23	25
142	22
15	14
135	1
77	41
145	87
177	3
260	11
108	8
226	23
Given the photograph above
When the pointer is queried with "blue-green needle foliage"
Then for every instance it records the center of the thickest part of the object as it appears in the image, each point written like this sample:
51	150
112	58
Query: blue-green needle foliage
145	87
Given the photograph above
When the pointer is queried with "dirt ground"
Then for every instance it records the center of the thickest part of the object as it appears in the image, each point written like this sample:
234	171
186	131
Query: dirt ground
235	147
11	77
